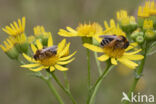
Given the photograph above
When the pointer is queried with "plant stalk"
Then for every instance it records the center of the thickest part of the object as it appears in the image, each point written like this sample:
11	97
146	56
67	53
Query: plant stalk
67	91
97	84
53	90
139	72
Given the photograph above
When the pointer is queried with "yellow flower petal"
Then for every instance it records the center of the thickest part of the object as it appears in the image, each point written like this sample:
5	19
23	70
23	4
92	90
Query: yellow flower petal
92	47
132	53
30	65
23	23
37	69
34	49
65	62
39	45
71	30
131	46
16	26
61	68
103	58
67	57
52	68
113	61
134	57
61	46
106	25
5	30
50	41
66	34
20	24
128	63
65	50
28	58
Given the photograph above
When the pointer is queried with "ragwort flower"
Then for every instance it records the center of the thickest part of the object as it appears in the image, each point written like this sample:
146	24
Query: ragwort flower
16	32
149	9
127	23
40	33
55	61
15	28
118	54
9	48
124	19
83	30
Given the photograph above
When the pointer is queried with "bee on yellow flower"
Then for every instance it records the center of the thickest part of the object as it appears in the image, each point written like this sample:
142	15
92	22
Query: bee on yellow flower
115	46
51	57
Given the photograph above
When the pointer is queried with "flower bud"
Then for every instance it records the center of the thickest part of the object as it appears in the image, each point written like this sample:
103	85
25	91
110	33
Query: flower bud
23	47
140	39
150	35
9	49
135	34
12	53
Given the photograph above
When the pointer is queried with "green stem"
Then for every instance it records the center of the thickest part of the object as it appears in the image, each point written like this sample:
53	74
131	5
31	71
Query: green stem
97	84
89	73
98	63
139	72
67	91
53	90
20	61
66	80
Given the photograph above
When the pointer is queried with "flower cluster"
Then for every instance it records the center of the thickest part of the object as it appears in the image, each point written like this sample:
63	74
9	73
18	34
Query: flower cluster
128	41
41	44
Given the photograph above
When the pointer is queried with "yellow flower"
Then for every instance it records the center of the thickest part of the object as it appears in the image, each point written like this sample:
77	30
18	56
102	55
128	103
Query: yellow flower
31	39
16	31
113	28
148	24
116	55
83	30
9	48
15	28
124	19
40	31
147	10
53	62
7	45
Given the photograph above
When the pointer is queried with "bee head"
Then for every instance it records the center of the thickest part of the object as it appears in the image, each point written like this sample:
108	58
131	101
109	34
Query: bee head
126	44
123	38
36	55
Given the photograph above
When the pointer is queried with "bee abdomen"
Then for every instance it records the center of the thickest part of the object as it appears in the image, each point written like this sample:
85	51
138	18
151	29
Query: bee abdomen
105	42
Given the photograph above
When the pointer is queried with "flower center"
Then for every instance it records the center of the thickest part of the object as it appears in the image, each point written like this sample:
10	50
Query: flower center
48	61
112	52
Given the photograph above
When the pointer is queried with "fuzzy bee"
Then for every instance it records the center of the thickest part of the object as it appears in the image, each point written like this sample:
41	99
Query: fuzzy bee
45	53
117	42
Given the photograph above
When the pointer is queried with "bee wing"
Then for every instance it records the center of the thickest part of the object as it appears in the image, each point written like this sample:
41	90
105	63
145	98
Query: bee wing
53	48
108	36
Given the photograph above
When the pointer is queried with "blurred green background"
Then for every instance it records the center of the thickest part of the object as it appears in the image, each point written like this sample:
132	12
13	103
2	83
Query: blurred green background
17	86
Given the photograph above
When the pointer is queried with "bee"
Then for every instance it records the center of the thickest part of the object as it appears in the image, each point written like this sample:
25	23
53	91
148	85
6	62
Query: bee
117	42
45	53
